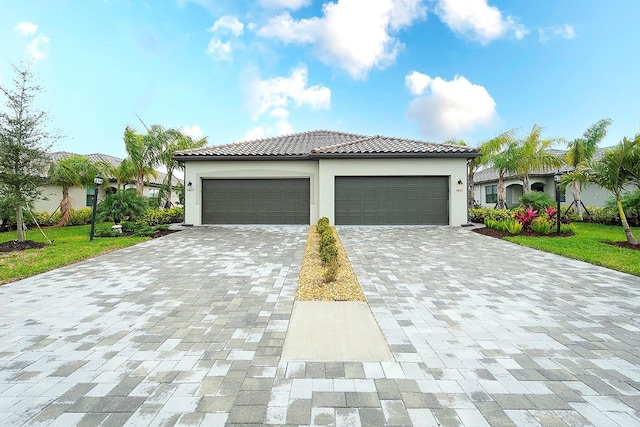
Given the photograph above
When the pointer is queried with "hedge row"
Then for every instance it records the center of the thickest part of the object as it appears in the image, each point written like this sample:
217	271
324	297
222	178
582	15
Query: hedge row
82	216
328	250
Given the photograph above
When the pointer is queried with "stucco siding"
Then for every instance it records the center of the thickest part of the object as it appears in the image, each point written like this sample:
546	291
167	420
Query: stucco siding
454	168
196	171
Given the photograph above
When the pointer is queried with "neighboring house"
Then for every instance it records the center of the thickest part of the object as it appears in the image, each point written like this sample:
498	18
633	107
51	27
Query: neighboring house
351	179
82	197
486	187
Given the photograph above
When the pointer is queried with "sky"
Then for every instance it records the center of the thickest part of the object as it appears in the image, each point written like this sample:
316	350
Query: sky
233	69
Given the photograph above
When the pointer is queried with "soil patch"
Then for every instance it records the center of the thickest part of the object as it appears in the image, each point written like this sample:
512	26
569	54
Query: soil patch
492	232
625	245
14	245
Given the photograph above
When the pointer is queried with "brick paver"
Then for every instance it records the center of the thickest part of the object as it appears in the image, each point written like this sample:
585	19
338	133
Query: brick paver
189	329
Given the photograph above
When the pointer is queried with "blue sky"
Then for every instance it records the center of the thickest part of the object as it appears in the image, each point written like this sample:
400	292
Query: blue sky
232	69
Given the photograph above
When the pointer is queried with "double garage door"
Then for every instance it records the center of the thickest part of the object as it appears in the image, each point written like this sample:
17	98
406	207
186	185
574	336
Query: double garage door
359	200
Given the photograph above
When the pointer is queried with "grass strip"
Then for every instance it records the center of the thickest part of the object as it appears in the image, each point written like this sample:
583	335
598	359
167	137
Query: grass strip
70	245
589	244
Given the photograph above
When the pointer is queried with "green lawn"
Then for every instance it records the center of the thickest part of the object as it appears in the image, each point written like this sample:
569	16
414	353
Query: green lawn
71	244
588	245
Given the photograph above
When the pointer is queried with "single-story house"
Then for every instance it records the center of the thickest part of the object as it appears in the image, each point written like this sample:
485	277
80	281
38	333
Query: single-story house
348	178
83	196
485	190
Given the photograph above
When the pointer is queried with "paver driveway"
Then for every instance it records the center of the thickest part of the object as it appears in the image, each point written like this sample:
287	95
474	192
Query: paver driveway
188	330
498	333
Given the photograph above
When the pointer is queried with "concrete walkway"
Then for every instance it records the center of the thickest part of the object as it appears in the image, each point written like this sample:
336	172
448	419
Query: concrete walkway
189	329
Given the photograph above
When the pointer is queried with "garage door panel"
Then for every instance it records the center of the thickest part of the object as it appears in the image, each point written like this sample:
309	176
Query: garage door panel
255	201
390	200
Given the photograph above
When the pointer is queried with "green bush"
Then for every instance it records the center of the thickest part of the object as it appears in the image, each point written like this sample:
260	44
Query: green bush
144	230
602	215
121	205
154	216
328	250
513	227
479	215
80	216
567	228
106	232
536	200
541	225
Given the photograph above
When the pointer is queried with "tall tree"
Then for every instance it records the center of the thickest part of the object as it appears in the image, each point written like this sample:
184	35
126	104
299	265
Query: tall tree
611	173
75	170
581	151
143	154
124	173
175	141
533	153
24	142
501	153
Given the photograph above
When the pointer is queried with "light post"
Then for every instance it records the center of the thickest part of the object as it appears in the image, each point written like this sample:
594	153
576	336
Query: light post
556	179
98	180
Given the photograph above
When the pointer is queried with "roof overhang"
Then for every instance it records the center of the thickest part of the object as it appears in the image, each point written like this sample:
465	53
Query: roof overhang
316	156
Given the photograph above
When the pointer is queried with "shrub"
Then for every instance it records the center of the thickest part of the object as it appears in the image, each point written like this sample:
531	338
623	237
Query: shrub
536	200
144	230
480	214
121	205
328	250
602	215
567	228
513	227
106	232
525	217
80	216
154	216
541	225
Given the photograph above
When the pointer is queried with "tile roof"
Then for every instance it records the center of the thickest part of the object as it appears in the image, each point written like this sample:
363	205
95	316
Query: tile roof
323	143
113	161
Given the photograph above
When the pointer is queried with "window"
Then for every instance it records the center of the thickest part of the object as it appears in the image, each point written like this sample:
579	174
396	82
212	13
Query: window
153	193
91	188
491	193
537	186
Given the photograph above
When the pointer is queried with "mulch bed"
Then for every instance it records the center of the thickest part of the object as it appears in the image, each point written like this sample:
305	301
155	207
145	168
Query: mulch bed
492	232
625	245
14	245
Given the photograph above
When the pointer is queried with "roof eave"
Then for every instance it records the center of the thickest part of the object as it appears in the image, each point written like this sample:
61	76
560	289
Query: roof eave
393	155
219	157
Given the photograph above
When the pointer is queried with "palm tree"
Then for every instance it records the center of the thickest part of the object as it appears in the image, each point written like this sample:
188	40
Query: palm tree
173	141
501	154
581	150
533	153
75	170
124	173
143	154
611	173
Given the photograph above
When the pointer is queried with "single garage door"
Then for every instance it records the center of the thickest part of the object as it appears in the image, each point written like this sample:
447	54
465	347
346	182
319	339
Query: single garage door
255	201
389	200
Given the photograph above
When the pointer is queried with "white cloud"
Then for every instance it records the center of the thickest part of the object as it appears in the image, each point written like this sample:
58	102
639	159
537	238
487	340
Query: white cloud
227	25
450	108
193	131
284	4
219	50
565	31
26	28
417	82
478	21
35	49
277	93
255	133
354	35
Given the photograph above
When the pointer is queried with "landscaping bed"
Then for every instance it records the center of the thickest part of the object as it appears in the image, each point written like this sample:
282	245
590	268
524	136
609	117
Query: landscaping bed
312	285
492	232
14	245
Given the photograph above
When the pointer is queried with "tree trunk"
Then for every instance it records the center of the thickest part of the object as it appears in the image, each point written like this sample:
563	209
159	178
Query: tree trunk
502	204
526	187
19	224
169	188
625	225
576	198
140	183
65	208
470	189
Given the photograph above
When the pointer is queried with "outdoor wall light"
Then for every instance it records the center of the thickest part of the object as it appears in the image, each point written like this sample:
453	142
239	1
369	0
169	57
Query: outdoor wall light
189	184
460	181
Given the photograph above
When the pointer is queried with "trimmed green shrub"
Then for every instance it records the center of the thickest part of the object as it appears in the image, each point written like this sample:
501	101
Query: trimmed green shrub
536	200
106	232
541	225
602	215
567	228
154	216
80	216
513	227
328	250
479	215
144	231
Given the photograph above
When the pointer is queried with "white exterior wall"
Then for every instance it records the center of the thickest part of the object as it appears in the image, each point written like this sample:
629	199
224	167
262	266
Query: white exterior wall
454	168
196	171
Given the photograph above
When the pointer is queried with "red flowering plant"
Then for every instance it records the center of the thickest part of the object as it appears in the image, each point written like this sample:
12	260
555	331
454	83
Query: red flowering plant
525	217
